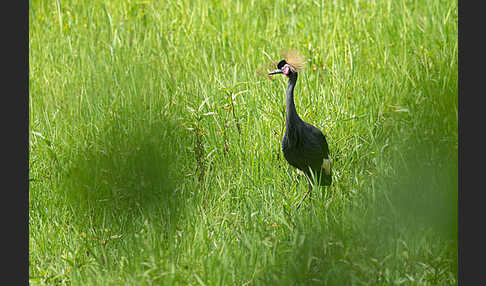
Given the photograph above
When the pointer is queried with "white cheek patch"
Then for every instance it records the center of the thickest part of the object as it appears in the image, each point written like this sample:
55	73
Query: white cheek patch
286	69
326	165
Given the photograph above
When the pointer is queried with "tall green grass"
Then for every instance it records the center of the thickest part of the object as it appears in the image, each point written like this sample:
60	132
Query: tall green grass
155	146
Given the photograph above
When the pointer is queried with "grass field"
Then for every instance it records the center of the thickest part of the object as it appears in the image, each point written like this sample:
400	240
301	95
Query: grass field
154	155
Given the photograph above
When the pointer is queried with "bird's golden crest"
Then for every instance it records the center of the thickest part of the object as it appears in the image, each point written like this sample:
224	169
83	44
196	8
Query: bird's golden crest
295	60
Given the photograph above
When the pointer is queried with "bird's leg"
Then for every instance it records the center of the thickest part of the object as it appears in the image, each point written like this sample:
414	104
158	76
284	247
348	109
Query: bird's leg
298	206
309	192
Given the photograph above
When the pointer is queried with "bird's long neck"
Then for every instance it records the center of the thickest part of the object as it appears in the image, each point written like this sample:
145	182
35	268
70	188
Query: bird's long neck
292	118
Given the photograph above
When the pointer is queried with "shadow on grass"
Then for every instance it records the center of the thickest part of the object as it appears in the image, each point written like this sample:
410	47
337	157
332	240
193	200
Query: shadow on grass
403	228
128	169
423	192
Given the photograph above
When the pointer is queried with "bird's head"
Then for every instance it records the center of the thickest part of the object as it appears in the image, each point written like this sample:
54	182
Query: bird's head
290	65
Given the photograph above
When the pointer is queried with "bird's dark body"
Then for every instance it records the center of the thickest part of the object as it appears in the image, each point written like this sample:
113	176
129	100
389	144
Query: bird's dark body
305	147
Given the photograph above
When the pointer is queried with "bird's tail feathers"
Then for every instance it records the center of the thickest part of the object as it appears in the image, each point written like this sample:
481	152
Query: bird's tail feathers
327	165
326	168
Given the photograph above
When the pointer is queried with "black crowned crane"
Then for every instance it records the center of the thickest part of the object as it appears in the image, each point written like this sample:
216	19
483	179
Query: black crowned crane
303	145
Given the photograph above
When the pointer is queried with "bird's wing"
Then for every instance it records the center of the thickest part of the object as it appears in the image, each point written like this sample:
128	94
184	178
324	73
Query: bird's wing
320	150
319	140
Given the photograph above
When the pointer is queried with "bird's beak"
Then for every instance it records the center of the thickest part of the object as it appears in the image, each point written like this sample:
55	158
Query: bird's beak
277	71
